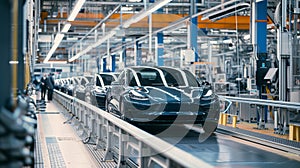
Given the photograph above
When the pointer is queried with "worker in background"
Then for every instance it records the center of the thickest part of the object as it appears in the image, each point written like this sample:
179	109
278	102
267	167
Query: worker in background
50	86
37	85
44	86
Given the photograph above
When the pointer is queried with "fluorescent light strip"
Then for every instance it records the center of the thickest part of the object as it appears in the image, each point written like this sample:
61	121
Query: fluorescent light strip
57	40
99	42
137	17
216	7
66	28
76	9
226	11
13	62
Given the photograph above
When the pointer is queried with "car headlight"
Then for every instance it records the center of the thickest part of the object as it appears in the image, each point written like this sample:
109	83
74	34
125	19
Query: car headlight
137	96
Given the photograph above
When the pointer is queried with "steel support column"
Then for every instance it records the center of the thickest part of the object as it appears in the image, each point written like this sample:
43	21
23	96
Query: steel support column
6	45
259	38
138	53
283	55
21	53
193	29
113	63
35	29
160	49
97	64
261	26
108	58
104	65
124	51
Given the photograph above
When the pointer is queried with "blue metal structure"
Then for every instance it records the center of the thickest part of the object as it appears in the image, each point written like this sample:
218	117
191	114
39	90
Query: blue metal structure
124	51
261	41
160	49
104	65
194	29
113	63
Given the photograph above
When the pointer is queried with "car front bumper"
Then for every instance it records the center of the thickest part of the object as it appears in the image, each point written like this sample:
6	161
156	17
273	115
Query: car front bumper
171	113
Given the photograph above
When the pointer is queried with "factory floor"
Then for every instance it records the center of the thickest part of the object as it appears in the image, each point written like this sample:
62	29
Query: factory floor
58	144
253	127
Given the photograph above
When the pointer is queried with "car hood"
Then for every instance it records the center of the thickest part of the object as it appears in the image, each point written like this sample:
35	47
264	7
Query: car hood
173	94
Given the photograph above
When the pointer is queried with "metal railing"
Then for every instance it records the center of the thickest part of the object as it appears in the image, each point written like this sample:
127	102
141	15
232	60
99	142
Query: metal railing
281	111
122	141
274	103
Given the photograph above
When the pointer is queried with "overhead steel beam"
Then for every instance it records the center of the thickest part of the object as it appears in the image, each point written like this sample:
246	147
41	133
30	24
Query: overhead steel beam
141	4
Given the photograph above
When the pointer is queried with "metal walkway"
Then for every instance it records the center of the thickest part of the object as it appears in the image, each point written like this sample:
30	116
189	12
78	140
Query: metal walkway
57	144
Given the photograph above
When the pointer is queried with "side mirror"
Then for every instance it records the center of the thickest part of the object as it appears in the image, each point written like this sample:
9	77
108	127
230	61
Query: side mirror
115	83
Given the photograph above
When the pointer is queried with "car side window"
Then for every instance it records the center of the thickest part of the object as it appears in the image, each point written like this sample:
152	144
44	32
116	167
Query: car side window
131	79
191	79
98	83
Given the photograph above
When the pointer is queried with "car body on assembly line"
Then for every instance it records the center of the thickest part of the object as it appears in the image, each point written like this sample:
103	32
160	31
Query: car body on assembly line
74	81
80	90
95	93
161	95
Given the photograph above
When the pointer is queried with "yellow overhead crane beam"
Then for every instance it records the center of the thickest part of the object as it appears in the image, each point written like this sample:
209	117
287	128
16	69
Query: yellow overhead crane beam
158	21
163	20
243	23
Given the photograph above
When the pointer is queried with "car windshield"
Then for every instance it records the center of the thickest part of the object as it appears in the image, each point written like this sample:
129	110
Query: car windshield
191	79
149	77
174	77
107	79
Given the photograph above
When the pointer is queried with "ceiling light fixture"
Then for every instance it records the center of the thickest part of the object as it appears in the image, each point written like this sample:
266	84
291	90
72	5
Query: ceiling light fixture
99	42
58	38
76	9
137	17
219	14
66	28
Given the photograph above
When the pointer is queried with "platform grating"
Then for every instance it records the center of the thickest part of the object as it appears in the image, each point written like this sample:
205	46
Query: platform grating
66	139
262	136
38	157
55	155
98	155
